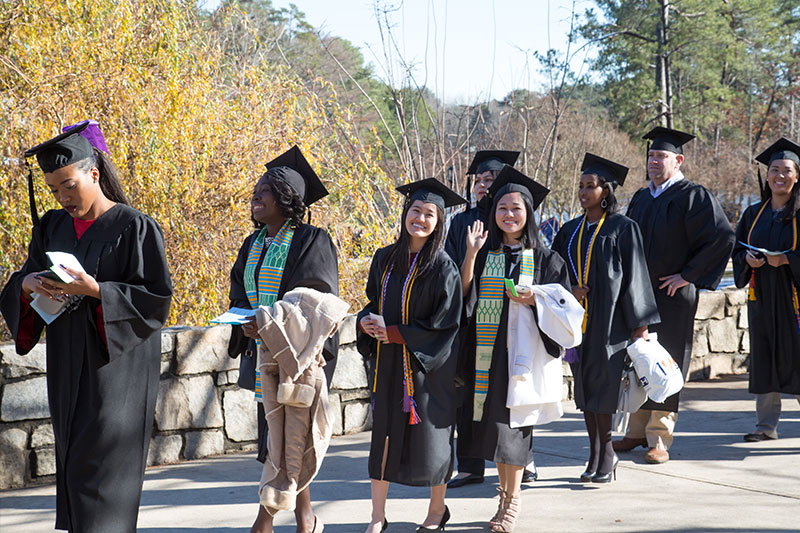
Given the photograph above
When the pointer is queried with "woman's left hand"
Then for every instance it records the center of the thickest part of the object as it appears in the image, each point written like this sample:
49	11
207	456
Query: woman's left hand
379	333
639	333
777	260
82	284
525	296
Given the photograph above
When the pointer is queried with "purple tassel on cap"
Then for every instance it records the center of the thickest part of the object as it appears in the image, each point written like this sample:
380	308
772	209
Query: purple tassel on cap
92	134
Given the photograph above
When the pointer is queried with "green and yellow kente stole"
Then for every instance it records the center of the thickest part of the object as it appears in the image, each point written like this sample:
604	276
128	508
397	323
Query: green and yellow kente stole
263	290
491	288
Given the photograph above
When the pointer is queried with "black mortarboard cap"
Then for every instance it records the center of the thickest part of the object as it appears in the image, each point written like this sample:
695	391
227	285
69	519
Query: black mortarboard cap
667	139
492	160
610	171
432	191
293	168
512	180
783	148
62	150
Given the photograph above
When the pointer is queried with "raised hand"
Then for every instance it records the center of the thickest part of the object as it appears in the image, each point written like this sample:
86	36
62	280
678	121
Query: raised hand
476	237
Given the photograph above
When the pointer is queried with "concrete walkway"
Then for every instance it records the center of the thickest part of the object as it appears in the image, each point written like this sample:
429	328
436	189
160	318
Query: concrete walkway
714	482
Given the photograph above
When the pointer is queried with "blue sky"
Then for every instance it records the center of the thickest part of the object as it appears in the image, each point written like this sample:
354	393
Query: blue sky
463	50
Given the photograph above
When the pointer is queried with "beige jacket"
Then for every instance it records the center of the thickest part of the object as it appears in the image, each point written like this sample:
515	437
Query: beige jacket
294	390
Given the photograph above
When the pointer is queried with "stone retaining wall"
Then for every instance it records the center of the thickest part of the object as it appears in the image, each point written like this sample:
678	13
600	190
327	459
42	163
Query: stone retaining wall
201	411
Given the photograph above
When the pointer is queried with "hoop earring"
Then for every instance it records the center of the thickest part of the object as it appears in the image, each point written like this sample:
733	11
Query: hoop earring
604	204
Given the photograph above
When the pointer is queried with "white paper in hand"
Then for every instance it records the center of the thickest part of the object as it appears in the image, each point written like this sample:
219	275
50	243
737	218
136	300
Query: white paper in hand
47	308
66	259
235	316
379	319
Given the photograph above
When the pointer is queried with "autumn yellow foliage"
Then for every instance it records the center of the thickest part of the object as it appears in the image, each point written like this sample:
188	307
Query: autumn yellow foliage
190	129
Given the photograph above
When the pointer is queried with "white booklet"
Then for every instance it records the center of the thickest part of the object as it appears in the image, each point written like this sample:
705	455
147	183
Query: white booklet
47	308
50	309
763	250
379	319
235	316
66	259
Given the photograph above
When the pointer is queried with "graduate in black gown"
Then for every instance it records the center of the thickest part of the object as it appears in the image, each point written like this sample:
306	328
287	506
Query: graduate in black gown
104	349
416	289
511	230
279	203
485	166
609	277
687	241
773	306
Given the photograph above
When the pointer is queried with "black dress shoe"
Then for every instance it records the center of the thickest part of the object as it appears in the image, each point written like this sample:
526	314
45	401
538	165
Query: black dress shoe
442	522
586	477
601	477
471	479
757	437
529	477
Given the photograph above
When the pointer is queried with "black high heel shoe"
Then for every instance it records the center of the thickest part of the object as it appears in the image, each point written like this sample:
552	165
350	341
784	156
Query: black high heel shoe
442	522
606	478
587	476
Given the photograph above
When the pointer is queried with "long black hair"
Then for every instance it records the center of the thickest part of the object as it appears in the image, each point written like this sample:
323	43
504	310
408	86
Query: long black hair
288	200
398	253
530	233
789	211
109	176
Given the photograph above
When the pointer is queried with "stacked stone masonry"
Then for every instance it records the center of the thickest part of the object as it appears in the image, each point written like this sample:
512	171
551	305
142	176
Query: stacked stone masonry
201	411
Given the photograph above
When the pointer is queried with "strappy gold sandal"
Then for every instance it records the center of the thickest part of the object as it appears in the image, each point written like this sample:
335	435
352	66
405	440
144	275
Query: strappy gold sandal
508	517
496	518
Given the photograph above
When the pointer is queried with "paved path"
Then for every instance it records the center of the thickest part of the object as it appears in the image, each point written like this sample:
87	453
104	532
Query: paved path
715	482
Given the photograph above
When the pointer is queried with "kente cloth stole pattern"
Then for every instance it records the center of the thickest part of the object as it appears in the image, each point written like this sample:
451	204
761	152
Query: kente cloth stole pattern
491	288
409	405
581	271
264	289
751	291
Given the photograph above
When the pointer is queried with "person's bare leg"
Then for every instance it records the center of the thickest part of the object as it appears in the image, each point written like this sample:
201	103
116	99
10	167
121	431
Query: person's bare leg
379	489
435	507
513	479
303	512
263	523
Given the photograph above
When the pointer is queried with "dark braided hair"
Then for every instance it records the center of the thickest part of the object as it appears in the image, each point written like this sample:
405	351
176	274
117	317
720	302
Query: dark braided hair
289	202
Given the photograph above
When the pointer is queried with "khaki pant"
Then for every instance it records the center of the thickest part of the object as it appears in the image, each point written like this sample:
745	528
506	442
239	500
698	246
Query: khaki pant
768	411
656	426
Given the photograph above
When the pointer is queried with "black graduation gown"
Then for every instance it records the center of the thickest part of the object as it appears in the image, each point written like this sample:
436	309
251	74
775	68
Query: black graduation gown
456	243
102	400
311	262
492	438
422	454
684	231
620	300
774	337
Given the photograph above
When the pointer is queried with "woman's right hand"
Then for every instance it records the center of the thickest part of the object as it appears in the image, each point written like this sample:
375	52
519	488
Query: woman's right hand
367	325
250	329
35	283
753	261
476	237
